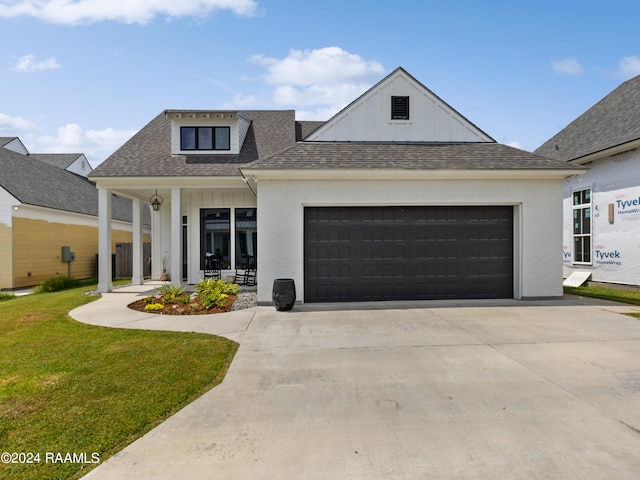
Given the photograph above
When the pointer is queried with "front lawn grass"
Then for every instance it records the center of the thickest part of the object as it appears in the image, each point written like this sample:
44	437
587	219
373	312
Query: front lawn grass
67	388
624	296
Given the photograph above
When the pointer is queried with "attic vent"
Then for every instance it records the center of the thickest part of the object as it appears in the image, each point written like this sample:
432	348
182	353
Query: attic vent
399	108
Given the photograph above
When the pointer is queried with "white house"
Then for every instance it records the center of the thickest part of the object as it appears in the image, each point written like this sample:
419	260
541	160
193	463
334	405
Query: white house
601	233
398	196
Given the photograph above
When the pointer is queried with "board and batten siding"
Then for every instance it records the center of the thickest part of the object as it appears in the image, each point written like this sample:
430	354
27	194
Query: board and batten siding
369	118
237	132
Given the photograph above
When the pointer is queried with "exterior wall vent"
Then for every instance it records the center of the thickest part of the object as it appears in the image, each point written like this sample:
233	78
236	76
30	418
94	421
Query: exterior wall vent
399	108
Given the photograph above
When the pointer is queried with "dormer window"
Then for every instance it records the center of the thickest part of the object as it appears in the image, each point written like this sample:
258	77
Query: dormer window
399	108
205	138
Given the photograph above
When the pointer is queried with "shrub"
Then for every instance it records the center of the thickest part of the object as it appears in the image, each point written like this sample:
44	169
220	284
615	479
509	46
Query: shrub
169	289
56	284
153	307
6	296
214	292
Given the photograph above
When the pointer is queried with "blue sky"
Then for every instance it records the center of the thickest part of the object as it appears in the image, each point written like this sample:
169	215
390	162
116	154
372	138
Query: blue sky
85	75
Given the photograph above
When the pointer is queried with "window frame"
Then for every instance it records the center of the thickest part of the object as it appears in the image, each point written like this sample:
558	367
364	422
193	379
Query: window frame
229	239
582	226
213	135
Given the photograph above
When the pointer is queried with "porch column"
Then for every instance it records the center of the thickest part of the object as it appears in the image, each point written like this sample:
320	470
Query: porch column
137	270
176	236
104	240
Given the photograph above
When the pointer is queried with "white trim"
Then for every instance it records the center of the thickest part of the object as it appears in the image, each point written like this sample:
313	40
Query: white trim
406	174
104	241
176	237
33	212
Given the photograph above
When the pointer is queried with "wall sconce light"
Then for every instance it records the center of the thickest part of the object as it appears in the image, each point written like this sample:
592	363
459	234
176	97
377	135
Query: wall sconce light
155	201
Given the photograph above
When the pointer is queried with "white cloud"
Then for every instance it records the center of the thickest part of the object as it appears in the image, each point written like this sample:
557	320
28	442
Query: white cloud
569	67
12	126
629	67
28	64
327	78
97	145
71	138
73	12
515	144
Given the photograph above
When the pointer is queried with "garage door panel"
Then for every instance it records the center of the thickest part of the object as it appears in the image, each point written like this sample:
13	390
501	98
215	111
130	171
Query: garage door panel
383	253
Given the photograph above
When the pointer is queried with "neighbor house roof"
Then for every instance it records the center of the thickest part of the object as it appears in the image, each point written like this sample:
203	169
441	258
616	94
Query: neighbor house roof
418	156
34	182
612	122
148	153
61	160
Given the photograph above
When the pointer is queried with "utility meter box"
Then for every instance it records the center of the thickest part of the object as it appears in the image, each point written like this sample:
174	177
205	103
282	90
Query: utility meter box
67	254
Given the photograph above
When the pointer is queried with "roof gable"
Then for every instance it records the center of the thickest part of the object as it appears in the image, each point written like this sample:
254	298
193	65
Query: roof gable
611	124
14	144
72	162
369	118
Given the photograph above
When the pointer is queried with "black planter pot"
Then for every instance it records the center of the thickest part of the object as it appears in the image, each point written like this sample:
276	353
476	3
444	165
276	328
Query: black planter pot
284	294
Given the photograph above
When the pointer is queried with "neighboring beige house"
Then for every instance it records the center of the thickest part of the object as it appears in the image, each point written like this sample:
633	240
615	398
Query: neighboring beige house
47	202
398	196
602	207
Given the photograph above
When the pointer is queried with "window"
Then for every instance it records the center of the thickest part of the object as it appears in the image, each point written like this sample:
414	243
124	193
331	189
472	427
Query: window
215	235
246	235
582	226
205	138
399	108
224	229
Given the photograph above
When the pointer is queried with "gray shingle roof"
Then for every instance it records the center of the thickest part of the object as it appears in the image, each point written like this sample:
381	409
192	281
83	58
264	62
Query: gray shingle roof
416	156
60	160
148	153
613	121
38	183
304	128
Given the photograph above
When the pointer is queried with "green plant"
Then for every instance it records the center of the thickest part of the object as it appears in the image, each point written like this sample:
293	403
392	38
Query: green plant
150	299
153	307
214	292
57	284
6	296
169	289
184	299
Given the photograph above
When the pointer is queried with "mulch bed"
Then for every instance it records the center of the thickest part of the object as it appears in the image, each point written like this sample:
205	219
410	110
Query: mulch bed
179	308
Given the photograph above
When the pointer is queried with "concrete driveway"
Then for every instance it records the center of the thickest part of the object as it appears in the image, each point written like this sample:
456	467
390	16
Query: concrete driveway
442	390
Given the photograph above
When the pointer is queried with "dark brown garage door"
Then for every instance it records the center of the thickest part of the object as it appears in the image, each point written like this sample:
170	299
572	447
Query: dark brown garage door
407	253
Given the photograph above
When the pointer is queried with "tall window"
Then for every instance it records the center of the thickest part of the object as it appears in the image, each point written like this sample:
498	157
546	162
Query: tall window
215	235
582	226
205	138
246	235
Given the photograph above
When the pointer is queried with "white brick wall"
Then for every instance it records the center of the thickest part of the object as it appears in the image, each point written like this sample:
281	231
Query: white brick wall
538	236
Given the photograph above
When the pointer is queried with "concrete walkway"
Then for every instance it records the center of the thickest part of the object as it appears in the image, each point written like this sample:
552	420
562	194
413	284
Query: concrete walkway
422	390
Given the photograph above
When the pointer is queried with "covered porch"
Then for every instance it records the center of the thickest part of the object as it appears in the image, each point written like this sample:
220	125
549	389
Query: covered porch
191	219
